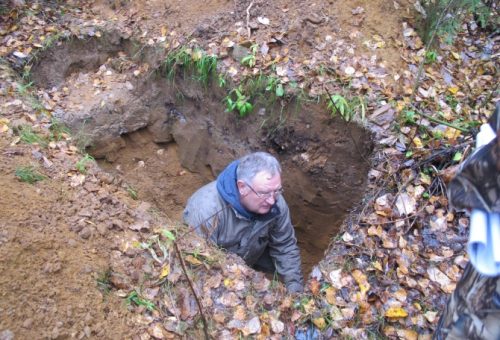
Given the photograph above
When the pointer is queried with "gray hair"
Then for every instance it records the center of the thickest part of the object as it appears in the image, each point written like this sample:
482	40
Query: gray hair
251	164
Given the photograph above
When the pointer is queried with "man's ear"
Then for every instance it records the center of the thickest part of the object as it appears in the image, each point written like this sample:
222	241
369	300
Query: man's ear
242	188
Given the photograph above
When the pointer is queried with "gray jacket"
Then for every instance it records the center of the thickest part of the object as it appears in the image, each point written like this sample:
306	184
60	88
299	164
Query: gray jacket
208	211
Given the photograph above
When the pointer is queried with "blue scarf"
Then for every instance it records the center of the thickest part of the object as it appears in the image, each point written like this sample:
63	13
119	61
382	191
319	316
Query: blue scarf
227	188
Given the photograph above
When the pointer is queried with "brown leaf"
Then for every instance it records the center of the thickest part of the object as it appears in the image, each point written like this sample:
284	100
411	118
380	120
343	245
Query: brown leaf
314	286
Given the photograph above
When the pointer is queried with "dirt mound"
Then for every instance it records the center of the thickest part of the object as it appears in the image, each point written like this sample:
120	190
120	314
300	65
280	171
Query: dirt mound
52	258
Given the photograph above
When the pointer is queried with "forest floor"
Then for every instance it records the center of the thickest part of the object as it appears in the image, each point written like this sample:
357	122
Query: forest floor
98	250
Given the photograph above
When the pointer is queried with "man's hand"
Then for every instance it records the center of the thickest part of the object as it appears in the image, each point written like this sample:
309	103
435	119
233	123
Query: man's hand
295	287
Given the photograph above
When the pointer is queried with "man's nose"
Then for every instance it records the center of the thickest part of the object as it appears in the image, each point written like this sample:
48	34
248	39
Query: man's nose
271	199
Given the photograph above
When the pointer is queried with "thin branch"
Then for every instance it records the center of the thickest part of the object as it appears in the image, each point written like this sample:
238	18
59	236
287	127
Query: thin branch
248	20
200	308
435	120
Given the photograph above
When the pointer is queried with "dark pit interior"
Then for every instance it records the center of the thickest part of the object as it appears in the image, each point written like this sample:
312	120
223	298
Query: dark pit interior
169	137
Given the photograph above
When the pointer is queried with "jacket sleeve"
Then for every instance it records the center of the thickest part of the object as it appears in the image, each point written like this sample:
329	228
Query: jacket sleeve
200	213
285	252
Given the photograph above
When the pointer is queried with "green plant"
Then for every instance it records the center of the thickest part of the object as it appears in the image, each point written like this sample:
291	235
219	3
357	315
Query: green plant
274	86
339	105
409	117
205	65
58	130
430	57
240	103
135	298
250	59
132	192
28	174
28	136
24	88
81	165
221	80
202	66
103	281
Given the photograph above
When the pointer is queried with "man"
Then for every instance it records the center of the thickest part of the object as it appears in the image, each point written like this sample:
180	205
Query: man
244	212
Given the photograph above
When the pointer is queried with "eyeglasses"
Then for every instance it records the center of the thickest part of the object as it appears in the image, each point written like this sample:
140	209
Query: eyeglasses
266	195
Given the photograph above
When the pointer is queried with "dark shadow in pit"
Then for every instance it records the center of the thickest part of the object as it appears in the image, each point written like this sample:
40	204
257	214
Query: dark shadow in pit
150	130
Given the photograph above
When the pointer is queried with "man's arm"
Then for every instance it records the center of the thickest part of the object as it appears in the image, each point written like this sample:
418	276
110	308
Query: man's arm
201	212
284	250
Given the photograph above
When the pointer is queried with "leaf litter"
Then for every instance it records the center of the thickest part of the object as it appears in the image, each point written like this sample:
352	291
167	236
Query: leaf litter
398	257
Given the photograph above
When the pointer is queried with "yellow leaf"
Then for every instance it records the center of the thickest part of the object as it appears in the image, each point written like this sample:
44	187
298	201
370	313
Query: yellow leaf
418	142
165	270
455	55
453	89
360	278
164	31
309	306
396	312
193	260
377	266
228	282
320	323
330	295
451	133
407	334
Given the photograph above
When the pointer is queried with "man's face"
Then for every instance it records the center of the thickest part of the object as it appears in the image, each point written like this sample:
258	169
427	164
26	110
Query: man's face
261	194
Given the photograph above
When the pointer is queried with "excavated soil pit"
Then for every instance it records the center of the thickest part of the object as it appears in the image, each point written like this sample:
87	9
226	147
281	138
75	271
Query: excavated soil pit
169	138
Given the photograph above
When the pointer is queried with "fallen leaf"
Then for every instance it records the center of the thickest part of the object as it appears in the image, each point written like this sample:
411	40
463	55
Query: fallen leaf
361	280
320	323
165	270
431	316
193	260
239	313
330	295
314	286
396	312
336	278
444	282
263	20
277	326
405	204
407	334
252	326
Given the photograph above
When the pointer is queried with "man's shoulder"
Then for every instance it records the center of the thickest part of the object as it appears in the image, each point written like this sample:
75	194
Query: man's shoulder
203	204
205	198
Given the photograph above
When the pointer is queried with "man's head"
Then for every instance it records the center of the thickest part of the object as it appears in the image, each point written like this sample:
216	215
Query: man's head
259	182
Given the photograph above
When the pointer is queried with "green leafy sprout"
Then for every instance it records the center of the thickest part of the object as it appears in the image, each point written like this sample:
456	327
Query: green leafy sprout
196	61
28	136
28	174
339	105
240	103
135	298
250	59
81	165
132	192
430	57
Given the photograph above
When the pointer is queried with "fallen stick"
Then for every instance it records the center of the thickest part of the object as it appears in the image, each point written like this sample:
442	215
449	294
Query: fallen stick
248	19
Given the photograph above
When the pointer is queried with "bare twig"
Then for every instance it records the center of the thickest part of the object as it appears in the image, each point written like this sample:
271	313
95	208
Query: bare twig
200	308
248	19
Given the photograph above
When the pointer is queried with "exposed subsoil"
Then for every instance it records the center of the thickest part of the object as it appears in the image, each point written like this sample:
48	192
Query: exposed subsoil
49	271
